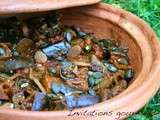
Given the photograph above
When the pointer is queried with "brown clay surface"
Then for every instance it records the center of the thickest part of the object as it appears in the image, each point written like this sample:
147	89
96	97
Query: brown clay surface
19	6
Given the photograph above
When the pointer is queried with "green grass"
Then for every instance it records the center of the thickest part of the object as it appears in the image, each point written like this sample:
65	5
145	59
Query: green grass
149	10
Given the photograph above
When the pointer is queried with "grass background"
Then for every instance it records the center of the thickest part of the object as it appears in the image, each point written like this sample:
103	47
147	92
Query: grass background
149	10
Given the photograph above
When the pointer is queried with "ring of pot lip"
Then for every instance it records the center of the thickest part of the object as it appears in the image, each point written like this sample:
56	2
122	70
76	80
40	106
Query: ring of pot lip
26	6
121	98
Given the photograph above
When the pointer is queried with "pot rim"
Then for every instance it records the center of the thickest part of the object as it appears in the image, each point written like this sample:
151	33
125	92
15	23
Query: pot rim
131	93
26	6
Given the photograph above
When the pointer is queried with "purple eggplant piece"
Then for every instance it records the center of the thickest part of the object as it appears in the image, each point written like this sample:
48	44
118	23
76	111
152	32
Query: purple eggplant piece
39	101
81	101
68	35
71	101
92	92
60	88
16	63
129	74
57	51
86	100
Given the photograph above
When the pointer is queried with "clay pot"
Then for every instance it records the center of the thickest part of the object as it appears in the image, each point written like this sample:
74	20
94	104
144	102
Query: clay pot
107	21
25	6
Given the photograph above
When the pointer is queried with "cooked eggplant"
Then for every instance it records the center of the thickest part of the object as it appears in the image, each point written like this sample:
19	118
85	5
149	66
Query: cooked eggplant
46	66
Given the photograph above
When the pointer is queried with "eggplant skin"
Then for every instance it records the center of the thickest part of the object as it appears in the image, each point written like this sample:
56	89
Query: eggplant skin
60	88
15	63
57	51
39	102
81	101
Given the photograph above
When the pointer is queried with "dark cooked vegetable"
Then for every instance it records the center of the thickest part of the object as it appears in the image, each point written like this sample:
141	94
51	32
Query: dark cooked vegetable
14	63
10	30
111	68
4	50
81	101
57	51
39	102
25	47
46	66
60	88
69	35
108	44
129	74
95	78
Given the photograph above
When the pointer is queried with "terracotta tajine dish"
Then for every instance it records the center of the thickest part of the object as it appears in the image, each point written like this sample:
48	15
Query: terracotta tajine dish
109	22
